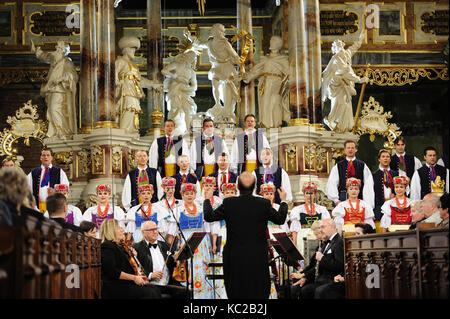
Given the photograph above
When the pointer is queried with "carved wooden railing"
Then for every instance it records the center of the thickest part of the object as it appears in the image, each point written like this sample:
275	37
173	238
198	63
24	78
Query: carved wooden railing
41	260
398	265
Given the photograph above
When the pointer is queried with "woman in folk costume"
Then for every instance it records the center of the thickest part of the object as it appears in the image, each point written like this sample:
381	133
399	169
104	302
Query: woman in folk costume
353	210
397	211
268	192
210	182
190	218
303	216
103	211
138	214
74	215
166	207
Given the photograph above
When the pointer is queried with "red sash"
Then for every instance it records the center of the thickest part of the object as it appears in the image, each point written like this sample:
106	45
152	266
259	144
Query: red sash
401	216
354	217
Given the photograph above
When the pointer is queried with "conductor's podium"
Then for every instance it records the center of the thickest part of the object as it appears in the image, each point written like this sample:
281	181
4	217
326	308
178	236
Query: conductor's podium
409	264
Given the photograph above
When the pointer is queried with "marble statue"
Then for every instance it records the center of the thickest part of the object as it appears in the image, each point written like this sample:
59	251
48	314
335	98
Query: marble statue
129	84
181	85
223	74
338	85
272	72
59	90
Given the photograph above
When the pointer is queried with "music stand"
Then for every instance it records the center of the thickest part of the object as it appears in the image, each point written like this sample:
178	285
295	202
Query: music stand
288	252
186	252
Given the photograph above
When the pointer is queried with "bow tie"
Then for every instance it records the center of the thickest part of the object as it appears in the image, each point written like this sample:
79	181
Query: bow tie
153	245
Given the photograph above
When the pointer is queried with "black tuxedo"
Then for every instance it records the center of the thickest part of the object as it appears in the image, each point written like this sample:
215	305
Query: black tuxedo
114	261
245	255
331	265
145	258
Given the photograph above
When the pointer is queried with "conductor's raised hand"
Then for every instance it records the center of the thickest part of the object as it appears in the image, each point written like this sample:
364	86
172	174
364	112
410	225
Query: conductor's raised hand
282	193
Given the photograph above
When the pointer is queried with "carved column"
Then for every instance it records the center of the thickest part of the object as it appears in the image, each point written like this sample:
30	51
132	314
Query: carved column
314	63
106	57
154	63
298	97
88	78
247	91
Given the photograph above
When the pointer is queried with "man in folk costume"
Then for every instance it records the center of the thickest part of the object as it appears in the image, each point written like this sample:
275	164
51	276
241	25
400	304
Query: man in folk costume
43	179
222	175
247	147
271	173
353	210
165	150
397	211
383	183
205	150
427	178
74	215
142	175
183	176
405	164
102	211
303	216
350	167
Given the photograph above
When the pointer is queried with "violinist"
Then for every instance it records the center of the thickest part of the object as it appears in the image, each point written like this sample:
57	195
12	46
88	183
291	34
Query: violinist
122	276
156	260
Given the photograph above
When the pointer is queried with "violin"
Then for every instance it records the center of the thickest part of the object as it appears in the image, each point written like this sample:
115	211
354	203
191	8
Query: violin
180	270
134	262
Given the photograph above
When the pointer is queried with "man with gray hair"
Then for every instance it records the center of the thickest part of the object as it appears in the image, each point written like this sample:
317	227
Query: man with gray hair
430	206
330	264
417	215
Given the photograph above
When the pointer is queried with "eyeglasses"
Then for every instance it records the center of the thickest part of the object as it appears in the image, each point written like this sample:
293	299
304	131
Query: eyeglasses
150	229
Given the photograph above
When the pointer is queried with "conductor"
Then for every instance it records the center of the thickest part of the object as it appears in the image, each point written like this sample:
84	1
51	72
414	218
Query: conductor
245	255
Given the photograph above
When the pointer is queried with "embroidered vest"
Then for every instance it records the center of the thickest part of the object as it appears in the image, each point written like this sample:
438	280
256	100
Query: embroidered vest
401	216
424	174
200	148
342	171
55	178
161	141
134	174
354	217
409	163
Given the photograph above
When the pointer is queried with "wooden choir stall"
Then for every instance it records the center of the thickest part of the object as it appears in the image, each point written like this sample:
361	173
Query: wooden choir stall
409	265
41	260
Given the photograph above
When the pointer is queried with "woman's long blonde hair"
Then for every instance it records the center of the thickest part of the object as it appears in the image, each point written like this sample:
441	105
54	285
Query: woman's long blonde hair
108	230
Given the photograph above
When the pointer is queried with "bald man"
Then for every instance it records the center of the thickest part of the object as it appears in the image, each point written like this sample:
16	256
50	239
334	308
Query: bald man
331	264
245	262
152	255
430	207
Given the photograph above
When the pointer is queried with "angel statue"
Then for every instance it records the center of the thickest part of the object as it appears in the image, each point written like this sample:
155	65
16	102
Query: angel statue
272	72
223	74
180	85
59	90
338	85
129	84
